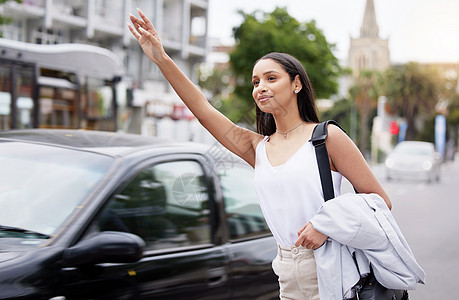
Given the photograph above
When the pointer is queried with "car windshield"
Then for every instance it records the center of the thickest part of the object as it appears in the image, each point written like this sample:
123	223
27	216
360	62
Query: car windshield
41	186
414	149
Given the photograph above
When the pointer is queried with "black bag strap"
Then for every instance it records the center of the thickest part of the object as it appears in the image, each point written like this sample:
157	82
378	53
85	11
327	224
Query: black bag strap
319	135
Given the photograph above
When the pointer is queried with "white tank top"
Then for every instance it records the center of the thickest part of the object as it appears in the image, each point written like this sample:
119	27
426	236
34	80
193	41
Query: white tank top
290	194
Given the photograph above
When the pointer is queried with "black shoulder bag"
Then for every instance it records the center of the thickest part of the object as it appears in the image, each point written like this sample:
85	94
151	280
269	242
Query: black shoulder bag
368	288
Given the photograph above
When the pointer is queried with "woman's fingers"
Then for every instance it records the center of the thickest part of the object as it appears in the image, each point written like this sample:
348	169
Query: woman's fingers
146	35
148	24
137	22
302	229
298	242
143	23
310	238
134	32
138	32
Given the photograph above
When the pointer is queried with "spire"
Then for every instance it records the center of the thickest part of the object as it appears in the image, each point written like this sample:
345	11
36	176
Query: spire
369	27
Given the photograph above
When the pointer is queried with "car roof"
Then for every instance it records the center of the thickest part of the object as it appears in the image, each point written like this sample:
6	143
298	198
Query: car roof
116	143
104	142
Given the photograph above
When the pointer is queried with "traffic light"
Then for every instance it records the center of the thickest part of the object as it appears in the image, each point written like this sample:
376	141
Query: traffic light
393	128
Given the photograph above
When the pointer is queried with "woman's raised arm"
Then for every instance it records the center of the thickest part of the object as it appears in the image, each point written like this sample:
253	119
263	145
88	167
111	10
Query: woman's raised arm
238	140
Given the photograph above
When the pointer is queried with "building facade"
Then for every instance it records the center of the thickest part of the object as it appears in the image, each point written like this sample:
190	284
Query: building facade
181	24
369	51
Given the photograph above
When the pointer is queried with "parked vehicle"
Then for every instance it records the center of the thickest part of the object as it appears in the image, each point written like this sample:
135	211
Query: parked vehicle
413	160
102	215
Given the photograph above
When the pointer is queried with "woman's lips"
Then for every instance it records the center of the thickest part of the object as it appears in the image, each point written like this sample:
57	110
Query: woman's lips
263	99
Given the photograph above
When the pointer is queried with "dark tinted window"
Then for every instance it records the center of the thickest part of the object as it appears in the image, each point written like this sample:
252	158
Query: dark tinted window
243	213
166	205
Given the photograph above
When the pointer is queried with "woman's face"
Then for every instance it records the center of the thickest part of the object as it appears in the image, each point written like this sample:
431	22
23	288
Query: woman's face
273	91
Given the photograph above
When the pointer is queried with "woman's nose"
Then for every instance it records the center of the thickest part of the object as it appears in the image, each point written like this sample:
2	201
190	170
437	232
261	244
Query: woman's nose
261	88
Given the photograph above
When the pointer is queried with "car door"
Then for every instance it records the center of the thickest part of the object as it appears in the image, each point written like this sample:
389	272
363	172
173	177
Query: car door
169	205
251	246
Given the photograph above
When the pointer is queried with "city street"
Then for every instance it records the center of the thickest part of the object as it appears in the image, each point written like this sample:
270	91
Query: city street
427	214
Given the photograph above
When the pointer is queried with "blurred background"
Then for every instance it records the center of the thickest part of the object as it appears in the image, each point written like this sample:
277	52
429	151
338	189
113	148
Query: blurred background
387	71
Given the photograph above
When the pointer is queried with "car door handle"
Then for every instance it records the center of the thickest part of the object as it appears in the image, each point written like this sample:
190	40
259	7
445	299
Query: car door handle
216	276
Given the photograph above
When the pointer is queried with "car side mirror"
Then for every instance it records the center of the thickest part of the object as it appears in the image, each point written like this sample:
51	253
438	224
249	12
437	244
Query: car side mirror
105	247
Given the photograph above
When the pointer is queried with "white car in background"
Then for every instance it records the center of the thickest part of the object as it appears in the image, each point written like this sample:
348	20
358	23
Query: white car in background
413	160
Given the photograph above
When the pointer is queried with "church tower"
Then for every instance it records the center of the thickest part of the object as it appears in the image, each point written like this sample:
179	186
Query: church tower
368	51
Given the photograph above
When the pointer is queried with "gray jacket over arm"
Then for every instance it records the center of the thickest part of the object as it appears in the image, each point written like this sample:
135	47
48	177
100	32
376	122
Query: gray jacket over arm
362	223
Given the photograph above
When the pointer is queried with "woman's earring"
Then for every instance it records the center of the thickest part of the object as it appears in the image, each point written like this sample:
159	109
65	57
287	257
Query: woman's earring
296	91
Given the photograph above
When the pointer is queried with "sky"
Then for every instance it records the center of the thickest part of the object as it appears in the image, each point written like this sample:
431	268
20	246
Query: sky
418	30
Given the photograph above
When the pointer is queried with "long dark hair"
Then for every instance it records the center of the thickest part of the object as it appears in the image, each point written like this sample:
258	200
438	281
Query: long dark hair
306	104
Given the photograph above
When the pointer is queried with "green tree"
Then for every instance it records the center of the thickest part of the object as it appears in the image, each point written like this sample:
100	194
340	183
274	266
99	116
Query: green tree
452	96
218	87
340	112
261	33
6	20
365	92
453	111
412	90
452	117
216	83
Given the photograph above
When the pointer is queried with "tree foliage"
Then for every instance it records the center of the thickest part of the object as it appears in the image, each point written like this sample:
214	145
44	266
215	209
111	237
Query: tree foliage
452	96
413	90
261	33
340	112
453	115
218	87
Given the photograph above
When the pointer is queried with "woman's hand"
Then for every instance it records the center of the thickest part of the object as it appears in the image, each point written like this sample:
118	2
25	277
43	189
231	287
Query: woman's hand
144	31
310	238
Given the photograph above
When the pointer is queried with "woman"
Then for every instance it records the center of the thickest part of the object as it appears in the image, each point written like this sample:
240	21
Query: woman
286	176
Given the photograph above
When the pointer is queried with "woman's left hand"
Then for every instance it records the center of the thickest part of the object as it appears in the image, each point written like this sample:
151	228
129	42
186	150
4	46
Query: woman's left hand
310	238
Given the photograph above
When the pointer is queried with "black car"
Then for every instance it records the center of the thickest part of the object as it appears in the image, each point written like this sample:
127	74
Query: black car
101	215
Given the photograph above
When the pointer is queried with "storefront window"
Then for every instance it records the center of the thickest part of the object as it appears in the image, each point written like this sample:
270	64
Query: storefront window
100	99
24	102
5	97
58	107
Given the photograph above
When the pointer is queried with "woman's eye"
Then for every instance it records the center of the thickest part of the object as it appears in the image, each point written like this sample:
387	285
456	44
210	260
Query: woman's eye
271	78
255	83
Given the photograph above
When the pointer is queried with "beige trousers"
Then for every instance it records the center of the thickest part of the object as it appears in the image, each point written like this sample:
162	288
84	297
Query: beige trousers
296	269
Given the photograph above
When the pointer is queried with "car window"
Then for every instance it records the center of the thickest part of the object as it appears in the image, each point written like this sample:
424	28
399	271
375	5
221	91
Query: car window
42	186
415	149
243	213
167	205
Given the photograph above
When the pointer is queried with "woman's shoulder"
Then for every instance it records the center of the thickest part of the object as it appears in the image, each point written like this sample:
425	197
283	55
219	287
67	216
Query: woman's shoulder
337	139
335	131
260	139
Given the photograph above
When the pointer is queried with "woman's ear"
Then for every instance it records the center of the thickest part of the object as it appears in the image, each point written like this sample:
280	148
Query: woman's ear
297	83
